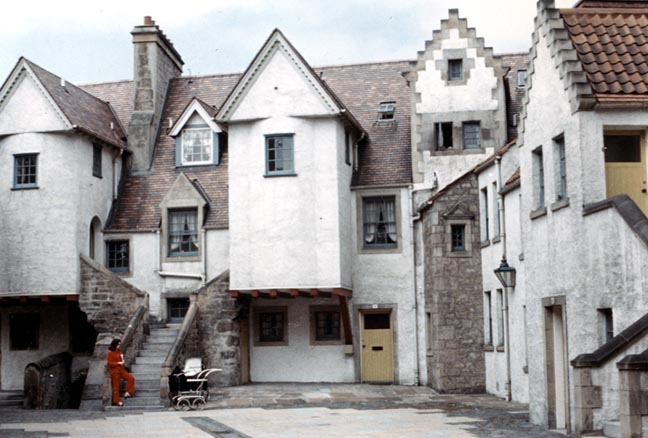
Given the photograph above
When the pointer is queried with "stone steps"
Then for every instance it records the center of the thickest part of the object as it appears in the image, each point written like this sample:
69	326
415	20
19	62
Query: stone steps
11	398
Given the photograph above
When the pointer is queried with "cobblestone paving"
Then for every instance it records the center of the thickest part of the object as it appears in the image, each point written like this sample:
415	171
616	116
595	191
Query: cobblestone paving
292	410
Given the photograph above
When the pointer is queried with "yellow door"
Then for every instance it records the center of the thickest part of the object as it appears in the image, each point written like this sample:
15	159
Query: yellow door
377	348
625	166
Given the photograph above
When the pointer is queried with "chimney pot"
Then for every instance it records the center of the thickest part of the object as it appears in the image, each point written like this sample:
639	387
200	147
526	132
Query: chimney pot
148	21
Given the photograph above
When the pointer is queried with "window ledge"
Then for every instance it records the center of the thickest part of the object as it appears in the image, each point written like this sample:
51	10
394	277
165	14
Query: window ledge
457	152
25	188
489	347
181	258
539	212
459	254
496	239
196	166
97	176
499	348
277	175
560	204
484	243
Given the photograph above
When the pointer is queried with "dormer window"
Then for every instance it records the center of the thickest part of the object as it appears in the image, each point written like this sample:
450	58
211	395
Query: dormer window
386	110
197	146
455	70
521	78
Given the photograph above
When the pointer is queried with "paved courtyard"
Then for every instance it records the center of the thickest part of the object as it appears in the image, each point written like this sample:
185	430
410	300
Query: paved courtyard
260	411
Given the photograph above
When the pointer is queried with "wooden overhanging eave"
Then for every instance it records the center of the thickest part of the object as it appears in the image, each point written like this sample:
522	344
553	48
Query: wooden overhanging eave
8	300
292	293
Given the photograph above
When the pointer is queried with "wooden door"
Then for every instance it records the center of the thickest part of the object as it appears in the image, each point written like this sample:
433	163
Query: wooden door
557	368
625	166
377	348
245	351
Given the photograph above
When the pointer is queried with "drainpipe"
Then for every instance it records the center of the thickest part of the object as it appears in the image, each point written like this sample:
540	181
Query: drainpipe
418	306
502	223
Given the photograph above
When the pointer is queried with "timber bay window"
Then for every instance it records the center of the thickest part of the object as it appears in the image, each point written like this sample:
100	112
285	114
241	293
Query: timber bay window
471	135
325	325
24	331
25	171
379	222
271	326
183	233
197	146
118	255
280	154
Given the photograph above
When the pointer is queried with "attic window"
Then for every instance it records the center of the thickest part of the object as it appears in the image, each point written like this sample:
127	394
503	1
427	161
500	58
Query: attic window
197	146
455	70
386	110
521	78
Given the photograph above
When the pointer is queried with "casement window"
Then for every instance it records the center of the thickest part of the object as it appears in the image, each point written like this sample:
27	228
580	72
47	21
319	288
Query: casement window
325	325
561	168
455	70
25	171
485	219
96	160
538	176
521	78
488	318
183	233
24	331
271	326
386	110
443	136
458	237
280	154
379	222
197	146
471	135
118	255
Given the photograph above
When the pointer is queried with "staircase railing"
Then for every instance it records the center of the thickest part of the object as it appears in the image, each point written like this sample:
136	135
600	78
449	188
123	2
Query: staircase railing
186	344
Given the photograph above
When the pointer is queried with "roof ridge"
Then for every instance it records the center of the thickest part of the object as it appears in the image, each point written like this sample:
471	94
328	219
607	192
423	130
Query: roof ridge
119	81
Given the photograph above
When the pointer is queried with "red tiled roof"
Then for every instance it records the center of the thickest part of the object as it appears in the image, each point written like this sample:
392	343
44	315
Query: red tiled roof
86	112
612	46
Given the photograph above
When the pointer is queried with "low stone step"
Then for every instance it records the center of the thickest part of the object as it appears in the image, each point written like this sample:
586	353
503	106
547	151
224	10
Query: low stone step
612	429
10	403
143	384
156	348
11	395
145	369
170	336
154	353
132	407
150	360
148	392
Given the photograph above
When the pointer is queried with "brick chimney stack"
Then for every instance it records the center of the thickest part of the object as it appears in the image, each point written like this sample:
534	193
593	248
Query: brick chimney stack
156	62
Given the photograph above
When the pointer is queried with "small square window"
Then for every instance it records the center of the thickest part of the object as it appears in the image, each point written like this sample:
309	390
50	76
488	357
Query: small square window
25	171
271	326
280	155
118	255
458	236
183	233
455	70
521	78
472	135
386	110
96	160
327	324
379	222
24	331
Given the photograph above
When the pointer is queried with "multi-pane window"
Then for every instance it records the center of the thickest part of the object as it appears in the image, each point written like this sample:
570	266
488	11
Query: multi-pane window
521	78
561	167
472	135
25	171
117	255
197	146
539	184
24	331
455	70
379	222
386	110
280	155
271	326
183	233
327	325
96	160
458	237
488	316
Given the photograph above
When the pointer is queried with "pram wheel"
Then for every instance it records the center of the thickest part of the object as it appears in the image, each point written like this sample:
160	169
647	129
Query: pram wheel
183	405
198	404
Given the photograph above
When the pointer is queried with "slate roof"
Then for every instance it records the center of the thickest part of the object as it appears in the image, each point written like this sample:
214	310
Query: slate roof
514	94
611	43
87	113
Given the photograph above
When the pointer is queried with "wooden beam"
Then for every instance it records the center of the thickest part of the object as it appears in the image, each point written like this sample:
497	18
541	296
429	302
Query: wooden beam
346	320
72	298
45	299
273	293
314	292
23	300
341	292
294	293
255	294
234	293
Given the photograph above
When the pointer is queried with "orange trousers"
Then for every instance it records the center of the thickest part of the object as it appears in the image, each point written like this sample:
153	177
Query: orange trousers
117	375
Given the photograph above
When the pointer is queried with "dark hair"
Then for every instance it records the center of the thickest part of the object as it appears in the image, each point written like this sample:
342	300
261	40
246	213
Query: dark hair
113	344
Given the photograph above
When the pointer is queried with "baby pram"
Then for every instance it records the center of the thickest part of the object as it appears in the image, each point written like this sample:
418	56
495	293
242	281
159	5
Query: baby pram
188	387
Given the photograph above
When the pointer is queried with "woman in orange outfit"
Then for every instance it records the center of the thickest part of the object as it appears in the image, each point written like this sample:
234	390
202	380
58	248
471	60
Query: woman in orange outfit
118	372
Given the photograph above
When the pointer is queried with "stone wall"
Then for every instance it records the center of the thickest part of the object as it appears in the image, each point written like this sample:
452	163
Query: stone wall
453	290
47	383
219	330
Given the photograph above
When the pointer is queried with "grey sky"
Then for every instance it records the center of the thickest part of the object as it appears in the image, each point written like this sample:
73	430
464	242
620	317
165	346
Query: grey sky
86	41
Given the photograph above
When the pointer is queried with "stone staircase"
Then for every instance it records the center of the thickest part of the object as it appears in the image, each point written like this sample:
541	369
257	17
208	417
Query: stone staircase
146	369
11	399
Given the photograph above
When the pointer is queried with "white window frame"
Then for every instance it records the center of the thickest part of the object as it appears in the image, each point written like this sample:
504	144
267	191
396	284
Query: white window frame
211	147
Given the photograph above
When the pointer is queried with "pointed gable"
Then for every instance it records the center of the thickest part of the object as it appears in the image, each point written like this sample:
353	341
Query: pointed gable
184	193
196	112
